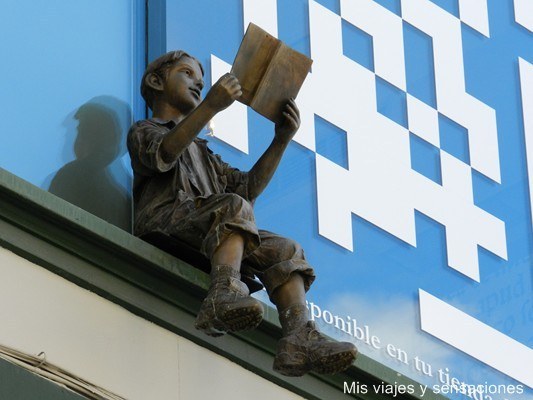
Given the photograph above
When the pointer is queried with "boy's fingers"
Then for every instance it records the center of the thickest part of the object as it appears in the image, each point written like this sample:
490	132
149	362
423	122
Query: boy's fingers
223	78
295	107
235	85
290	119
293	112
290	109
232	86
227	79
291	105
236	91
231	78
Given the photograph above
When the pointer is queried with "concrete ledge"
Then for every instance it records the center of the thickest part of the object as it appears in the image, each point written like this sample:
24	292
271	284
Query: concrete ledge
153	285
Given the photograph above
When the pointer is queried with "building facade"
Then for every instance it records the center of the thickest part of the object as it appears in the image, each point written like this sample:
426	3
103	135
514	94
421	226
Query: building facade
407	184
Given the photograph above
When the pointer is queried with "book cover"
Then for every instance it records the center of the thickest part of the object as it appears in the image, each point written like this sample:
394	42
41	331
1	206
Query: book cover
269	71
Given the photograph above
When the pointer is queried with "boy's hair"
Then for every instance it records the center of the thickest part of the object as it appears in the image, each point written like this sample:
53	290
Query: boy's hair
160	67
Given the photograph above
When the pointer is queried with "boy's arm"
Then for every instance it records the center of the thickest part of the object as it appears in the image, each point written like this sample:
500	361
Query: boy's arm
222	94
263	170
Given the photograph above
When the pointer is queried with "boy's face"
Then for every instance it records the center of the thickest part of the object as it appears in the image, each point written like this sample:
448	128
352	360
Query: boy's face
183	85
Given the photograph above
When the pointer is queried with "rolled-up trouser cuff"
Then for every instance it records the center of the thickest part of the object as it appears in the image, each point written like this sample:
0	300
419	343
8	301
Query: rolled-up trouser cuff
247	229
280	273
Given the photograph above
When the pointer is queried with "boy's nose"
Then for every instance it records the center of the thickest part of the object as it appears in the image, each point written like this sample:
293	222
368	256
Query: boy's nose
200	84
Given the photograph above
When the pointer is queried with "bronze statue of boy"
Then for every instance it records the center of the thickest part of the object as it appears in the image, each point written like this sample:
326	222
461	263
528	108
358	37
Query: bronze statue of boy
182	189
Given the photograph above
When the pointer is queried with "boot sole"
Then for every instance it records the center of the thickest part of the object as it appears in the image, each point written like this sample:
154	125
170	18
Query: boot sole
334	363
327	365
243	319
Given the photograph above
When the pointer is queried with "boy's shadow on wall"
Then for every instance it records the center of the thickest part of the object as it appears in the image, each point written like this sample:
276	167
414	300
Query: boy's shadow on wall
97	180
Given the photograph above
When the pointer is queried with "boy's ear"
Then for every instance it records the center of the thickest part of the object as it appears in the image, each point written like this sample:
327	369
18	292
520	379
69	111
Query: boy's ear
154	81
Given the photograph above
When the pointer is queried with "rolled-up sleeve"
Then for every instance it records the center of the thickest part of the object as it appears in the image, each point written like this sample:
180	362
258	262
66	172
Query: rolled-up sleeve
144	146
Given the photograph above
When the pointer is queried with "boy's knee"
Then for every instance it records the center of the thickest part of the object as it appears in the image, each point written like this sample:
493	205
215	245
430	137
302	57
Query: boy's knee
287	249
294	248
238	204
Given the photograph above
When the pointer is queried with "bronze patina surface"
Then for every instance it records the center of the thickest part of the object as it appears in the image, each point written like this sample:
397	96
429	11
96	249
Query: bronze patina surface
183	190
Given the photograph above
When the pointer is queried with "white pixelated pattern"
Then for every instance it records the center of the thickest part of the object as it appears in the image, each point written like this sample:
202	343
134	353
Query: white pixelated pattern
526	90
523	13
380	186
507	355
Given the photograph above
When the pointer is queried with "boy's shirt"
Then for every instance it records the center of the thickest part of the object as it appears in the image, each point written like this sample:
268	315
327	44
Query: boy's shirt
158	186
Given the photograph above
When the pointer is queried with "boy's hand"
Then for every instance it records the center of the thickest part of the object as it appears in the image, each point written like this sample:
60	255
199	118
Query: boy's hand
285	130
223	93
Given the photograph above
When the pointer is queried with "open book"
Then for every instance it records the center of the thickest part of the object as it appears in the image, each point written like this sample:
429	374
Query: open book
270	72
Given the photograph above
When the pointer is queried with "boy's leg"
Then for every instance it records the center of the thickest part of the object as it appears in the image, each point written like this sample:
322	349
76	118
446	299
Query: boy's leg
229	252
287	277
228	306
303	348
207	223
289	299
223	228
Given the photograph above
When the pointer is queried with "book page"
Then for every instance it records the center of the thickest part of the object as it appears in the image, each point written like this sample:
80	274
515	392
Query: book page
254	55
282	81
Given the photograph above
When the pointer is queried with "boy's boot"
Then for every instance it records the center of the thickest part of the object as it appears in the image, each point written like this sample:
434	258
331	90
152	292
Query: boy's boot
228	306
304	348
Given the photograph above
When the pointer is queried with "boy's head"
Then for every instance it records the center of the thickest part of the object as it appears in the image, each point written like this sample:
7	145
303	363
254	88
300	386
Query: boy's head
160	67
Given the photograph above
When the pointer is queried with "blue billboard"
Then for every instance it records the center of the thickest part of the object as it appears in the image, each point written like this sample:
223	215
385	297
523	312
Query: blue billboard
407	183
